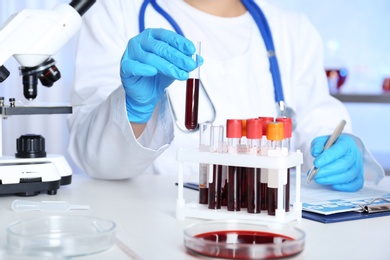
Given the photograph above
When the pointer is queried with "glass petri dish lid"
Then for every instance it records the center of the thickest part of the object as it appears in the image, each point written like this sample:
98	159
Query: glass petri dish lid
239	239
61	235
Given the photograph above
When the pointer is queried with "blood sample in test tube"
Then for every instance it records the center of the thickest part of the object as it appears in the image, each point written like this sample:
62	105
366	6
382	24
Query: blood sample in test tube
215	178
254	135
275	136
192	93
204	146
287	126
244	190
264	172
234	135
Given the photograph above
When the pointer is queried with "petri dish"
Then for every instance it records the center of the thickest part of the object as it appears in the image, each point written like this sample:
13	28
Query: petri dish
61	235
238	239
6	255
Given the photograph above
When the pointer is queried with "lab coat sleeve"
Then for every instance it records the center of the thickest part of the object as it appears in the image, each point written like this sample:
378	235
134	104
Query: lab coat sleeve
318	112
101	141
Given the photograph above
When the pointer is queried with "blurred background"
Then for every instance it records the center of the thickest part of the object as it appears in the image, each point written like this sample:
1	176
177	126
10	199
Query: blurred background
356	35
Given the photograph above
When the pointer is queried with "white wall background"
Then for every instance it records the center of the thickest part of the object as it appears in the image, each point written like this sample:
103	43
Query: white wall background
358	30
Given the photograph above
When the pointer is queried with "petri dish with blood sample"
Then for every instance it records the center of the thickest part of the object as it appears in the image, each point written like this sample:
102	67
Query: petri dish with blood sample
240	239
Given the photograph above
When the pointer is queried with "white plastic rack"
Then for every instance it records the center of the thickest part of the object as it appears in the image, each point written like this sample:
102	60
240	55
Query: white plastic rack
279	163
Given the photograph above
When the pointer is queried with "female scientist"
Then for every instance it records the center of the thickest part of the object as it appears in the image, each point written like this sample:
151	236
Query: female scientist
133	59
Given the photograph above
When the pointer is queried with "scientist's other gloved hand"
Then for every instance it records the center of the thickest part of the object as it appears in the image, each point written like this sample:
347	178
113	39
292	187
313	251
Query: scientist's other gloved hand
151	62
341	165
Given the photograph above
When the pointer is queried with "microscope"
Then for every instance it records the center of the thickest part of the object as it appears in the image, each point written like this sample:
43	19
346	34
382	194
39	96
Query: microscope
32	37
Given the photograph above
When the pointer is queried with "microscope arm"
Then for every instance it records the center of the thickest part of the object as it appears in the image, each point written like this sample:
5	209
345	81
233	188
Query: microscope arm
32	36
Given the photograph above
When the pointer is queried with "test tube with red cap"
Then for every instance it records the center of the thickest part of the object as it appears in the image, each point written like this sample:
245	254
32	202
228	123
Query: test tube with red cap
215	178
244	190
264	172
234	135
192	93
275	136
287	126
254	135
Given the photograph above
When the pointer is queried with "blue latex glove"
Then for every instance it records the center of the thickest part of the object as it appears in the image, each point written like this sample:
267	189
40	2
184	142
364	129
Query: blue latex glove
151	62
341	165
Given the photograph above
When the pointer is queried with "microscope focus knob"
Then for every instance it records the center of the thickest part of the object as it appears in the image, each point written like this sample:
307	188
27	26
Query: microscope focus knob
30	146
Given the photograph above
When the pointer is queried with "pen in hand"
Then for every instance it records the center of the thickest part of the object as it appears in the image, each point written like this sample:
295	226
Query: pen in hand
313	171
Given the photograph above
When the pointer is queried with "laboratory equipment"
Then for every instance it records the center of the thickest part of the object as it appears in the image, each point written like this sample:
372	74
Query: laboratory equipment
336	78
32	37
204	145
276	160
339	129
264	172
287	126
59	206
237	239
234	136
66	236
192	93
254	134
262	24
386	85
275	136
216	174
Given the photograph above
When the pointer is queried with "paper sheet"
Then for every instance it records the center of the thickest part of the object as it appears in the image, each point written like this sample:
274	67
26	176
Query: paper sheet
324	200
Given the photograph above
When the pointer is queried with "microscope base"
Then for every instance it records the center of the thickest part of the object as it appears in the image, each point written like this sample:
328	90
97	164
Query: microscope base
29	177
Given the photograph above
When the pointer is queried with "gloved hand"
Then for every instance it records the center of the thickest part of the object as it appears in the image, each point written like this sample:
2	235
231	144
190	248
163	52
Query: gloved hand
151	62
341	165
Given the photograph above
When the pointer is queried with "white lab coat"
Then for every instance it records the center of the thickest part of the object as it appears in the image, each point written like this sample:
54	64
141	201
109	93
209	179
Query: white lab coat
239	85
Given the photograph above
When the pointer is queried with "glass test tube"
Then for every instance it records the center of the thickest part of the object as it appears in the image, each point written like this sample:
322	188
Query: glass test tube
254	135
192	93
234	135
287	126
264	172
243	149
215	179
275	135
204	146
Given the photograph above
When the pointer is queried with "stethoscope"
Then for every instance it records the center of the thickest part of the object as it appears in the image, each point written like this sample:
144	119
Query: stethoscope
265	31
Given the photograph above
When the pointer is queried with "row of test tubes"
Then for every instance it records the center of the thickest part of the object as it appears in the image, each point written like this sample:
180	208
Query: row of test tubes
238	188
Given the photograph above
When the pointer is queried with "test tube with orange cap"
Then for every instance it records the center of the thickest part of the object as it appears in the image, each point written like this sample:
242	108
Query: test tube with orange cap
275	136
287	126
264	172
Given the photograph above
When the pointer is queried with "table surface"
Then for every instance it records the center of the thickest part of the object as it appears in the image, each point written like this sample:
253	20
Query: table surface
143	209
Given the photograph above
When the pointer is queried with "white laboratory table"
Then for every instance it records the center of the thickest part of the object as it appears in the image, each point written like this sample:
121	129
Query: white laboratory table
143	209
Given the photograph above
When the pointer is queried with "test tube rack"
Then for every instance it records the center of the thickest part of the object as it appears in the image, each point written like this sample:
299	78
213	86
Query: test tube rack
280	163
